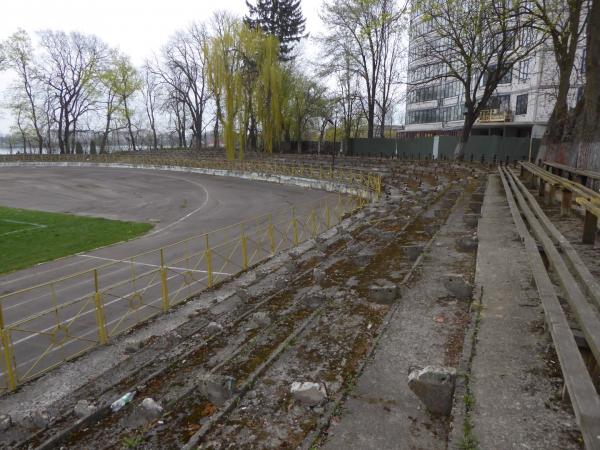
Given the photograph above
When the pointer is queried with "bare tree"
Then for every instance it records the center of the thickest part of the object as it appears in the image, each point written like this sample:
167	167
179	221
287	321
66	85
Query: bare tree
151	94
19	54
477	43
364	32
71	65
182	70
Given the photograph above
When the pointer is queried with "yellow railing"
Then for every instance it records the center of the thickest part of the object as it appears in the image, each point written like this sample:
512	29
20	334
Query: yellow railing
365	180
89	308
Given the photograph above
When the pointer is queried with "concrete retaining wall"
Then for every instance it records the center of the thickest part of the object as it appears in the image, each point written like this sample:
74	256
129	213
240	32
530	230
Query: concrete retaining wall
325	185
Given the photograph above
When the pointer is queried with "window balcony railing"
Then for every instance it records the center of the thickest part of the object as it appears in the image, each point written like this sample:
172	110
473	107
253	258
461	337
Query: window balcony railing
495	115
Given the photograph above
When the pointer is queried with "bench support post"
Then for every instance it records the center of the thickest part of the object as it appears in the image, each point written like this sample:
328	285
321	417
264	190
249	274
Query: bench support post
565	205
542	188
551	195
590	226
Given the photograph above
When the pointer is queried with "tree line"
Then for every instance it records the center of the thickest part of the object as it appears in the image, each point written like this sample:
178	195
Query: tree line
240	82
245	83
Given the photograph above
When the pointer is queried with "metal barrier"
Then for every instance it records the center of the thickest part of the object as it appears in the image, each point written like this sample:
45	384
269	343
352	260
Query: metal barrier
89	308
361	179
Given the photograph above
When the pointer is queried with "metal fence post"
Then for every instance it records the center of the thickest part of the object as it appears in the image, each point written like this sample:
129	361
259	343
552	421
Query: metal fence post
164	282
244	249
313	219
327	216
8	359
208	259
271	234
99	311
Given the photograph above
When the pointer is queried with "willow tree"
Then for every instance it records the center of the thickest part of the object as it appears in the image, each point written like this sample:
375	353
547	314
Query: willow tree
245	74
269	90
223	61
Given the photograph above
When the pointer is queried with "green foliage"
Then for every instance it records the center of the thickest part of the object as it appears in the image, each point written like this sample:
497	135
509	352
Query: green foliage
132	441
246	77
281	19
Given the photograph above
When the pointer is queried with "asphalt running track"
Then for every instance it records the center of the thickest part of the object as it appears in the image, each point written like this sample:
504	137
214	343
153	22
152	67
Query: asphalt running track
179	205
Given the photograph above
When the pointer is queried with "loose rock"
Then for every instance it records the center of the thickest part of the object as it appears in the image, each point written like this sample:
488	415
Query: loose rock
40	418
435	388
151	409
467	244
242	293
308	392
214	328
5	422
458	286
217	388
83	408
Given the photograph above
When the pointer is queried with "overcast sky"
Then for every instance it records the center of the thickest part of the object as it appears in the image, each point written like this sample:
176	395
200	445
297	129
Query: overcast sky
136	27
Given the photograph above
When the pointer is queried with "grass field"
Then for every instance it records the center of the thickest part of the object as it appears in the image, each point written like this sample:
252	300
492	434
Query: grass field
30	237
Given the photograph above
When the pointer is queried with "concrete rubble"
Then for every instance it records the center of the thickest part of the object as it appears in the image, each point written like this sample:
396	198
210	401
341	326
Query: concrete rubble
217	388
308	393
434	386
5	422
83	408
151	409
458	286
261	319
214	328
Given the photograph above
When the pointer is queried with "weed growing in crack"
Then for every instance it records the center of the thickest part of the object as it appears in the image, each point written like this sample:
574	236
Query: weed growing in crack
132	441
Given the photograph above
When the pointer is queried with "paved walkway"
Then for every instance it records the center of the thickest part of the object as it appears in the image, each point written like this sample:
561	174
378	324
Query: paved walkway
514	376
382	412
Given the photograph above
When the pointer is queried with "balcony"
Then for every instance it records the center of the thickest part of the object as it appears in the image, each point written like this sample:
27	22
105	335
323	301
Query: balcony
495	116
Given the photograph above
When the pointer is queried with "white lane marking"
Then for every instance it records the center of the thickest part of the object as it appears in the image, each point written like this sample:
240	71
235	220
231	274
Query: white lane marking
128	261
32	226
23	223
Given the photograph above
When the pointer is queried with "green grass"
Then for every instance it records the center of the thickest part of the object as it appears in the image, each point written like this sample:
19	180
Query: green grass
30	237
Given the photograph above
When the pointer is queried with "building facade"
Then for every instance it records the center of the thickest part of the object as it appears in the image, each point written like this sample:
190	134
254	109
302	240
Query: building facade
520	107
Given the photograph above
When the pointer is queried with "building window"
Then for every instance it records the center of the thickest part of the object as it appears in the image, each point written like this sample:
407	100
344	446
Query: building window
521	104
423	94
451	113
499	102
450	89
507	78
493	71
523	71
422	116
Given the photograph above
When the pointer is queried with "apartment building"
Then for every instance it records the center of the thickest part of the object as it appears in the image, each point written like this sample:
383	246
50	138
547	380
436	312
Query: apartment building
521	105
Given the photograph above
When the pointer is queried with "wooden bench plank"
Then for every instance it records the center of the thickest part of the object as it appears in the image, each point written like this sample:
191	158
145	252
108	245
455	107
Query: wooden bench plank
584	398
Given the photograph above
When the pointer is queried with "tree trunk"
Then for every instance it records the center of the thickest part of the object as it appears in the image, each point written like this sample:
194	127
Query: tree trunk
587	129
459	150
129	127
